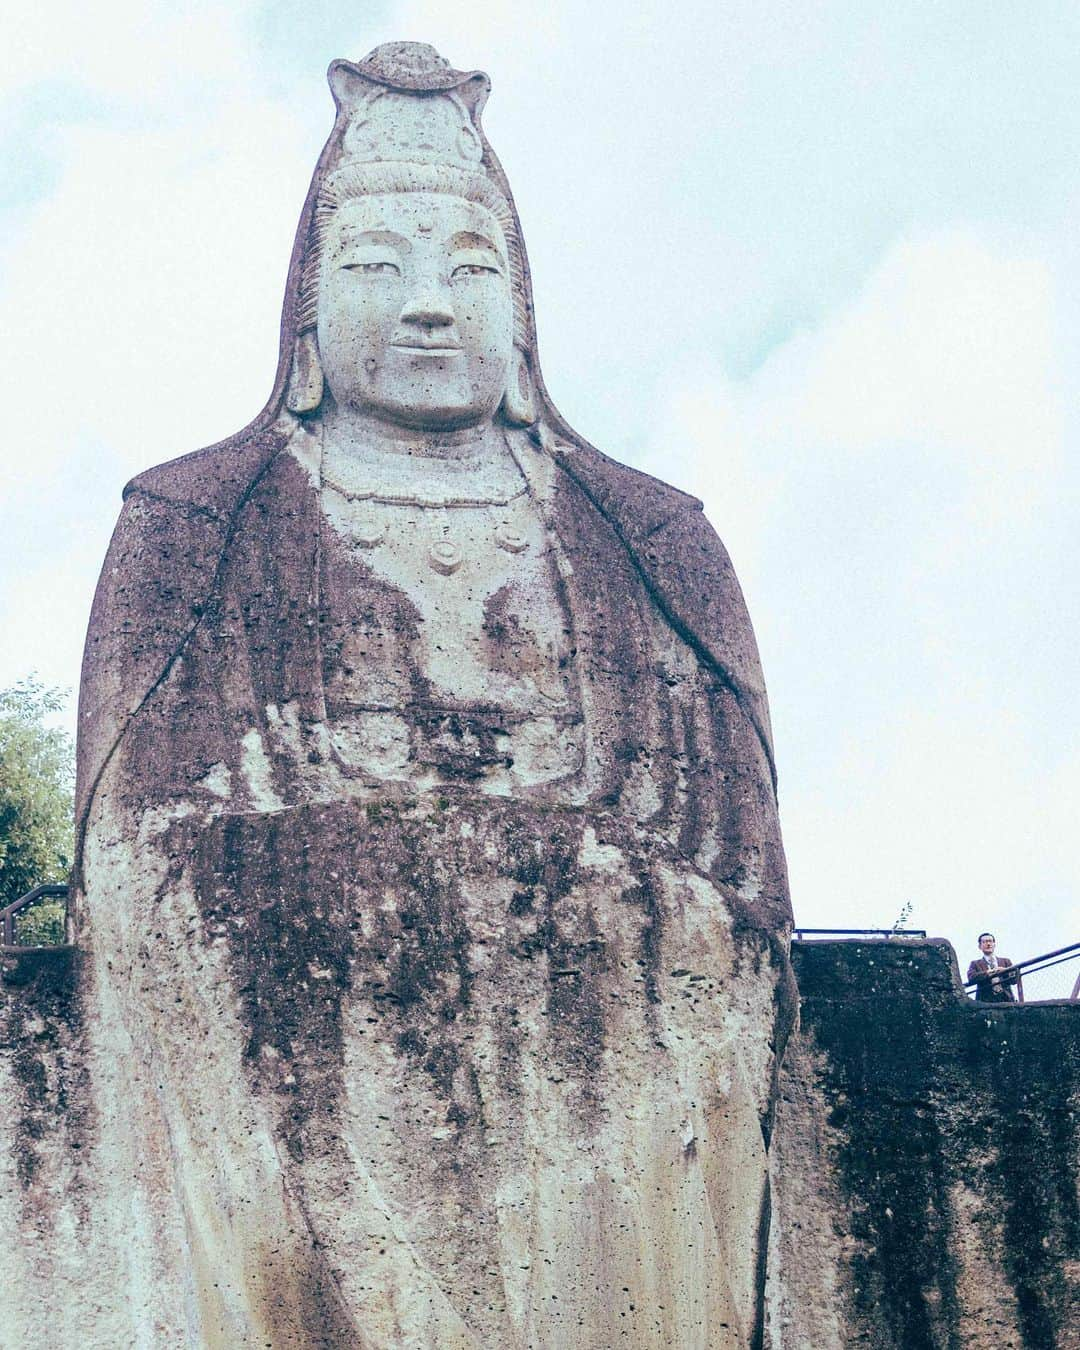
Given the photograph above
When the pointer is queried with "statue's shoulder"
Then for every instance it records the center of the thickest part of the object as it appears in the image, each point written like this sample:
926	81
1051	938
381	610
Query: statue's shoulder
156	577
636	500
685	564
212	480
657	521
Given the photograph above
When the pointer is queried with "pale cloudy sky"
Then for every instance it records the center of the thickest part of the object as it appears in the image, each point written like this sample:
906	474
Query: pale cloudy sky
817	263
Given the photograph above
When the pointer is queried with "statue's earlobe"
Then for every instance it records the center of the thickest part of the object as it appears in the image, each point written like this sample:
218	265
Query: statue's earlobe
305	390
519	401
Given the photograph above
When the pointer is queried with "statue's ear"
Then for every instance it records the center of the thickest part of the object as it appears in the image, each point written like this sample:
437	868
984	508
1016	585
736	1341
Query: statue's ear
519	401
305	390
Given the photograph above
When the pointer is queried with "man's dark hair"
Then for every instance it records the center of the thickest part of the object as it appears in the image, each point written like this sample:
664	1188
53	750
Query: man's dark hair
982	935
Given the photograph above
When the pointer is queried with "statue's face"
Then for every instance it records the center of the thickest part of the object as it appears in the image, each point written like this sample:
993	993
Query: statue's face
415	315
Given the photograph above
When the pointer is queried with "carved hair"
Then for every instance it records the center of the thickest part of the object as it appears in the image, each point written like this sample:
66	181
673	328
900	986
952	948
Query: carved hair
365	179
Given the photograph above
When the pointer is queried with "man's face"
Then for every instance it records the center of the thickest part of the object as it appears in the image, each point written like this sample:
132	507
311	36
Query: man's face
415	313
987	945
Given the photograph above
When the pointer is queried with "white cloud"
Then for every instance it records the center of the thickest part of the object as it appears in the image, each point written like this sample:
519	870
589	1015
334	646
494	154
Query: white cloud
948	349
884	483
147	287
128	49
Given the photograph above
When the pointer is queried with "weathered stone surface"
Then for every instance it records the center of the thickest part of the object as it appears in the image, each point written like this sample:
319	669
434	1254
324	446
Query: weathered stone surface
431	905
47	1123
926	1161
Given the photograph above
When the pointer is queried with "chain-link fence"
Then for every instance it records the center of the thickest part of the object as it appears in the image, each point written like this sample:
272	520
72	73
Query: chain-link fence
1056	979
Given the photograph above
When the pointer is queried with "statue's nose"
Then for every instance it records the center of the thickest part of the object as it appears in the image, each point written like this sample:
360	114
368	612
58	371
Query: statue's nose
429	309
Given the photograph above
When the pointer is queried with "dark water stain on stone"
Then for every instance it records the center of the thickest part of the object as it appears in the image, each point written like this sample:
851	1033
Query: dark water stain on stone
643	896
42	1030
269	882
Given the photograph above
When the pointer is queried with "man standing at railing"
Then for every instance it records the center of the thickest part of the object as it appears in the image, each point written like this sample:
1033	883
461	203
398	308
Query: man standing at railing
988	970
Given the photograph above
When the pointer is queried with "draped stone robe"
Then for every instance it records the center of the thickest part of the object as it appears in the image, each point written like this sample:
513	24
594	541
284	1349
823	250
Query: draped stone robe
436	1065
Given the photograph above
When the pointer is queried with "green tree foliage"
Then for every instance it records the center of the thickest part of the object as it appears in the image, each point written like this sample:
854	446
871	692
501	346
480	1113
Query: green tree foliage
36	776
41	925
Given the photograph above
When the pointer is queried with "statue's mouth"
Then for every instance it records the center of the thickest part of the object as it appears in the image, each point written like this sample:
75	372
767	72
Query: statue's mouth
429	349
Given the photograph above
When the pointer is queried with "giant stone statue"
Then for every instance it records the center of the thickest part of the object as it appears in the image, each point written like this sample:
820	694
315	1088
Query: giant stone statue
429	857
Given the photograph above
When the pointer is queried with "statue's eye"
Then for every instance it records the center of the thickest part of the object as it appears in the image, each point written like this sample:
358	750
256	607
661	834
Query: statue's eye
473	270
380	268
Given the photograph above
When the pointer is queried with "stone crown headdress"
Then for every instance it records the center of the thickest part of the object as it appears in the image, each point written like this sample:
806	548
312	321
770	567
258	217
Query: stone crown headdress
406	104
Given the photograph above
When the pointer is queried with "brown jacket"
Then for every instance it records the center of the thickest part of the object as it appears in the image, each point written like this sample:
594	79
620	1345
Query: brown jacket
992	987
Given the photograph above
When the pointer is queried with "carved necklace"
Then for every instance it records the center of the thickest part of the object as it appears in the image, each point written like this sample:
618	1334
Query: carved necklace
444	556
416	499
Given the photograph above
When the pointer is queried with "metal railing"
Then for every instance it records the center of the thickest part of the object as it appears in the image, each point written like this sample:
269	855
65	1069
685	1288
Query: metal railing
8	928
1014	974
822	934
